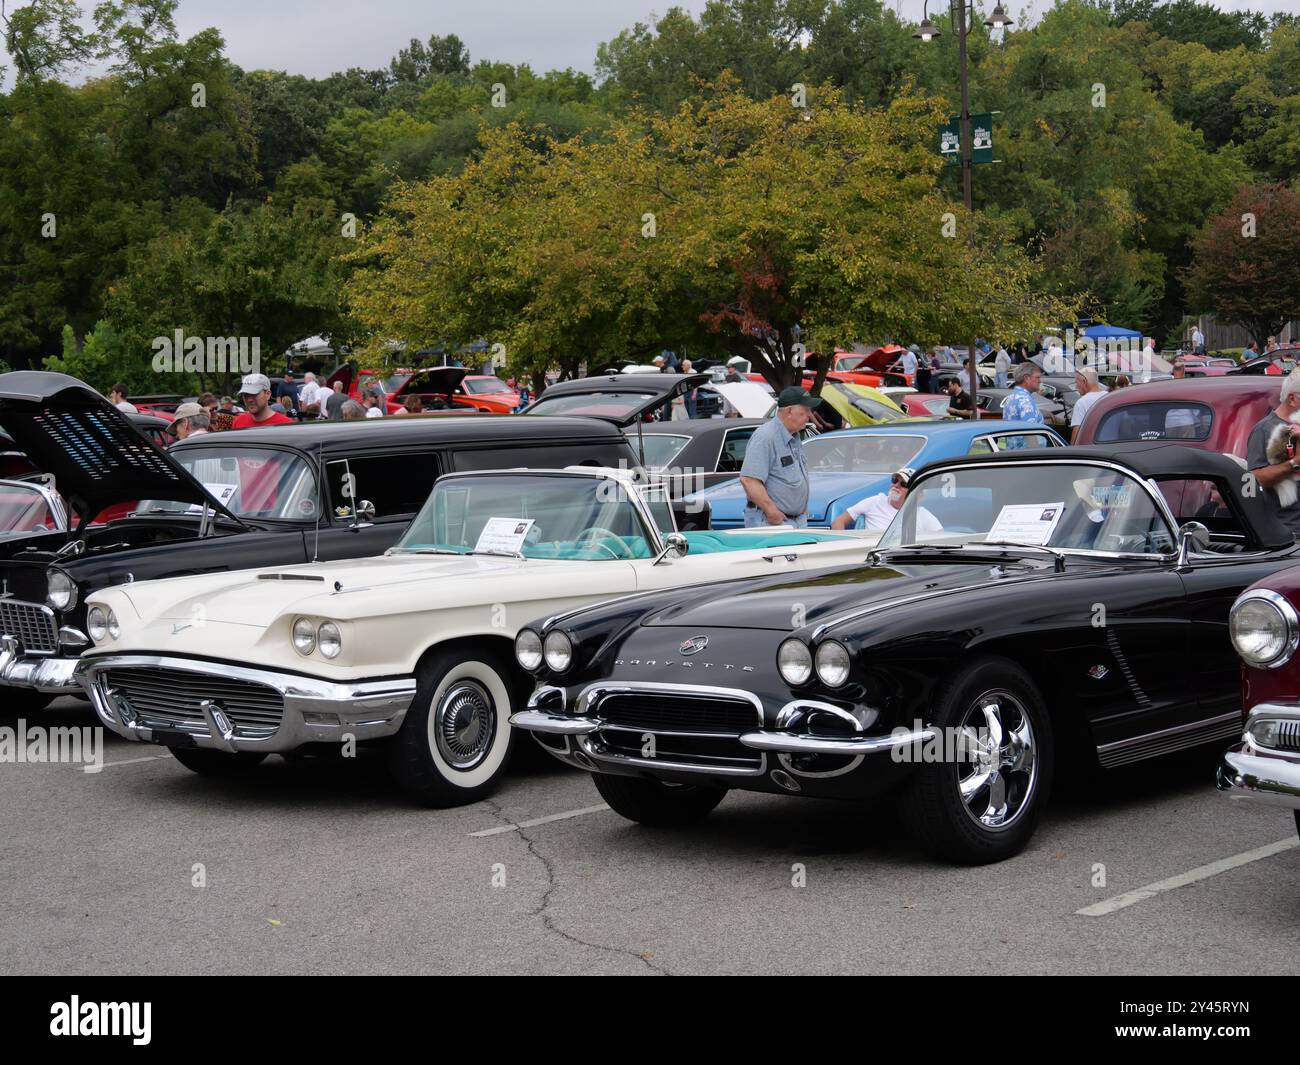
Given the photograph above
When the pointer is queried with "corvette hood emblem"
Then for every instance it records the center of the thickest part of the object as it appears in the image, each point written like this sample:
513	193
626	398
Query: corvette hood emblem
694	645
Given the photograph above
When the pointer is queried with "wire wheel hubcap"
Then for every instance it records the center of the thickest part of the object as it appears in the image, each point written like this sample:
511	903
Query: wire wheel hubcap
464	724
998	760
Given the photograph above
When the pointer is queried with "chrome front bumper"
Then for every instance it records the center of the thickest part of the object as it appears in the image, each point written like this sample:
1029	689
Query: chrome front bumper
315	711
54	676
1249	771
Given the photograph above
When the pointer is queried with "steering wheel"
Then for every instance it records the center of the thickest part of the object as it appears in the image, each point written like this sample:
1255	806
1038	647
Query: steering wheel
593	531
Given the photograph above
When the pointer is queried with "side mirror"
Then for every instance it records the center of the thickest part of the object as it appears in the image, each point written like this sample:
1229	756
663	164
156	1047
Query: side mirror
365	511
1192	536
675	546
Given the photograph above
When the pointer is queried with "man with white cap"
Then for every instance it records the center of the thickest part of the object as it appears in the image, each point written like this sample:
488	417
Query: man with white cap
878	510
255	395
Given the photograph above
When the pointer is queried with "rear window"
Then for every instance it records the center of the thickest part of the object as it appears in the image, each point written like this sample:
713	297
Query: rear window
1178	420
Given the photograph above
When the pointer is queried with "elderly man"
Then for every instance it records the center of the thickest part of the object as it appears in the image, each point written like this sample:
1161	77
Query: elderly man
255	395
1021	406
1089	389
190	420
774	473
310	396
878	511
1274	475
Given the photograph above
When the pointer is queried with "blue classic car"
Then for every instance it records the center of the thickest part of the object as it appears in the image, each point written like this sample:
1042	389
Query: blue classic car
847	466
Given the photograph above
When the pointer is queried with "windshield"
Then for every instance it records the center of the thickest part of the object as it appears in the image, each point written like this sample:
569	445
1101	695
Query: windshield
848	362
661	449
535	515
1162	420
480	385
24	510
616	405
1075	507
395	381
249	482
839	453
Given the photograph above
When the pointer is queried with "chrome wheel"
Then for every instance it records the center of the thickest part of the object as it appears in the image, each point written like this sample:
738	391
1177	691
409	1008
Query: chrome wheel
998	768
464	724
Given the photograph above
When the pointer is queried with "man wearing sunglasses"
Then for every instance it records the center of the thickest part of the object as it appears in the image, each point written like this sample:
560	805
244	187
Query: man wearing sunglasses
879	510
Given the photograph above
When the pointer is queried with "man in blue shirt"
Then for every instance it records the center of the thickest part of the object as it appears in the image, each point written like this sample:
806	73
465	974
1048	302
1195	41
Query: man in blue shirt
1021	406
774	473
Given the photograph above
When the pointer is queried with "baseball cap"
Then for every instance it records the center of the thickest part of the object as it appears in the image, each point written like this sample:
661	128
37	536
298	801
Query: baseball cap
736	360
795	396
904	476
185	410
254	383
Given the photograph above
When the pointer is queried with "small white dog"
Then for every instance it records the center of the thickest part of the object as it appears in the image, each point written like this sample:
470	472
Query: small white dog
1281	448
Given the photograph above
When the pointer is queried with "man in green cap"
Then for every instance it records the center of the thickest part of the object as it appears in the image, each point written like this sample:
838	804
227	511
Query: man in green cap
774	474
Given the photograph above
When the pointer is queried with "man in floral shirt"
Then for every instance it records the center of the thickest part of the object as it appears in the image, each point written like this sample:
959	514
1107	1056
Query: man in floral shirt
1021	406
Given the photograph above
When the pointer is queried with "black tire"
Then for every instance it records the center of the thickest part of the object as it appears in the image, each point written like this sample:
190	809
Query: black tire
16	702
931	802
433	761
210	763
653	802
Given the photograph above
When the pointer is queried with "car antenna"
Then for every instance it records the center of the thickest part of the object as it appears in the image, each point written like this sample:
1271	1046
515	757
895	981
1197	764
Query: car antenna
315	540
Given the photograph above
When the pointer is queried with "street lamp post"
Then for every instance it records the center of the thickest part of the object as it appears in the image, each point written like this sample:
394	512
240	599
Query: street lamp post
927	31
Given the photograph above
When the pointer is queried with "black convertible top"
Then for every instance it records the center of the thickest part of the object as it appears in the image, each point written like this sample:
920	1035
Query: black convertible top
1159	460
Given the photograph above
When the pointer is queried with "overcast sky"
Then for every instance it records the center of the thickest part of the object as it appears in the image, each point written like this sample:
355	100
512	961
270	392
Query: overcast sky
318	37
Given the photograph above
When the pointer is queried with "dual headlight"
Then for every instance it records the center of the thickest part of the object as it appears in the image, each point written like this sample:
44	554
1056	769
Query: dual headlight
60	590
310	636
797	664
101	622
531	651
1264	628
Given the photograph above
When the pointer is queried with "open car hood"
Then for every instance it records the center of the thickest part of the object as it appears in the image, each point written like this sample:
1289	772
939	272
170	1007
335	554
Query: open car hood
750	400
440	380
98	458
615	389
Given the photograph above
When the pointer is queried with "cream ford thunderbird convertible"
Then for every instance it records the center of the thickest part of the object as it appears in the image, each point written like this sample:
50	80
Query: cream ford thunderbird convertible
414	648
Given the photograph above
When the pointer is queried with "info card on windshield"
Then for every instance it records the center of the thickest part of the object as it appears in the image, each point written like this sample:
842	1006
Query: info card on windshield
503	536
1027	523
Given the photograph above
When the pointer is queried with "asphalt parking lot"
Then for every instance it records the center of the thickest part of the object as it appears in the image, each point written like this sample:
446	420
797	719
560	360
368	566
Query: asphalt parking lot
319	867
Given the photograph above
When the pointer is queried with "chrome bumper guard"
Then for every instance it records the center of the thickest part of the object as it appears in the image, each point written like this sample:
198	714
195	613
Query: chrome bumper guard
54	676
545	714
315	711
1250	771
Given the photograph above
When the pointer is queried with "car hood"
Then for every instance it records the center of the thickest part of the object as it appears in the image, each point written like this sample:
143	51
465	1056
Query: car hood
771	604
749	399
441	380
662	388
823	490
350	589
96	456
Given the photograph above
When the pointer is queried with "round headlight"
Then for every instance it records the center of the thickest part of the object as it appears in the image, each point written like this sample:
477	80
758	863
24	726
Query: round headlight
528	649
60	590
559	652
832	664
331	640
114	628
97	623
304	636
1264	628
794	662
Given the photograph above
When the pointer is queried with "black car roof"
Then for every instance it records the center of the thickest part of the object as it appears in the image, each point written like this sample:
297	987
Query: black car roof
1158	460
411	428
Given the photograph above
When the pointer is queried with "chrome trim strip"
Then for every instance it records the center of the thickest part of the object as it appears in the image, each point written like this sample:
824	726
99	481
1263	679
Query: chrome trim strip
792	743
1204	724
594	693
553	724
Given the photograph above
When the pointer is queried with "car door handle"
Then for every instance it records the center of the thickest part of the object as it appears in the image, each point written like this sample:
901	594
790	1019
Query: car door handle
789	557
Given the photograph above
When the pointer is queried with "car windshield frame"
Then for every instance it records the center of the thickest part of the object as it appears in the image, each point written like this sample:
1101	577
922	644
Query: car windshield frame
829	440
304	477
415	540
483	386
947	475
52	506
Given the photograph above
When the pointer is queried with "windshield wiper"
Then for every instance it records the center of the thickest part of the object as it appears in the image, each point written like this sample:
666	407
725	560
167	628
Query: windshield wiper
1058	555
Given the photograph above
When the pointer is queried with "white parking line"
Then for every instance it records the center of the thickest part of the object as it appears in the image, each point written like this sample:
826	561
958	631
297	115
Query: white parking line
1204	872
125	761
539	821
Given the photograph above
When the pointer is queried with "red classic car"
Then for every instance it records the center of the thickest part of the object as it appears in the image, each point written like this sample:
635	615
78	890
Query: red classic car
877	367
438	387
1264	625
1216	413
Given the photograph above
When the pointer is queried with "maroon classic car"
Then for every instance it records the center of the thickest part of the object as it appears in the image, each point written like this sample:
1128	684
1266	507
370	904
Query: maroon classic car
1265	627
1215	413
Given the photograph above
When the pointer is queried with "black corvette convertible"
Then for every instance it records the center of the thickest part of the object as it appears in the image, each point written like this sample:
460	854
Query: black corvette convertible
1021	606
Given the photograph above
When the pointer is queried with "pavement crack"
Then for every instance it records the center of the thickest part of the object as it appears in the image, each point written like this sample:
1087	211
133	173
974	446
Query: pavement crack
542	910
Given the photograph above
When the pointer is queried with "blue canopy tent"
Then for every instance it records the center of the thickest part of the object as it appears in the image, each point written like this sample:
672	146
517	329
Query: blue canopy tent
1110	332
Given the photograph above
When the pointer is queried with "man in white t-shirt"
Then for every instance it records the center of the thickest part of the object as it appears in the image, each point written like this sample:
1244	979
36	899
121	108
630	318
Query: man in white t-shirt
908	359
879	509
1089	389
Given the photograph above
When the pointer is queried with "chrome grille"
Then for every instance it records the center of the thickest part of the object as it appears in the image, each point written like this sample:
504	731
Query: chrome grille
1288	736
171	698
689	729
32	624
